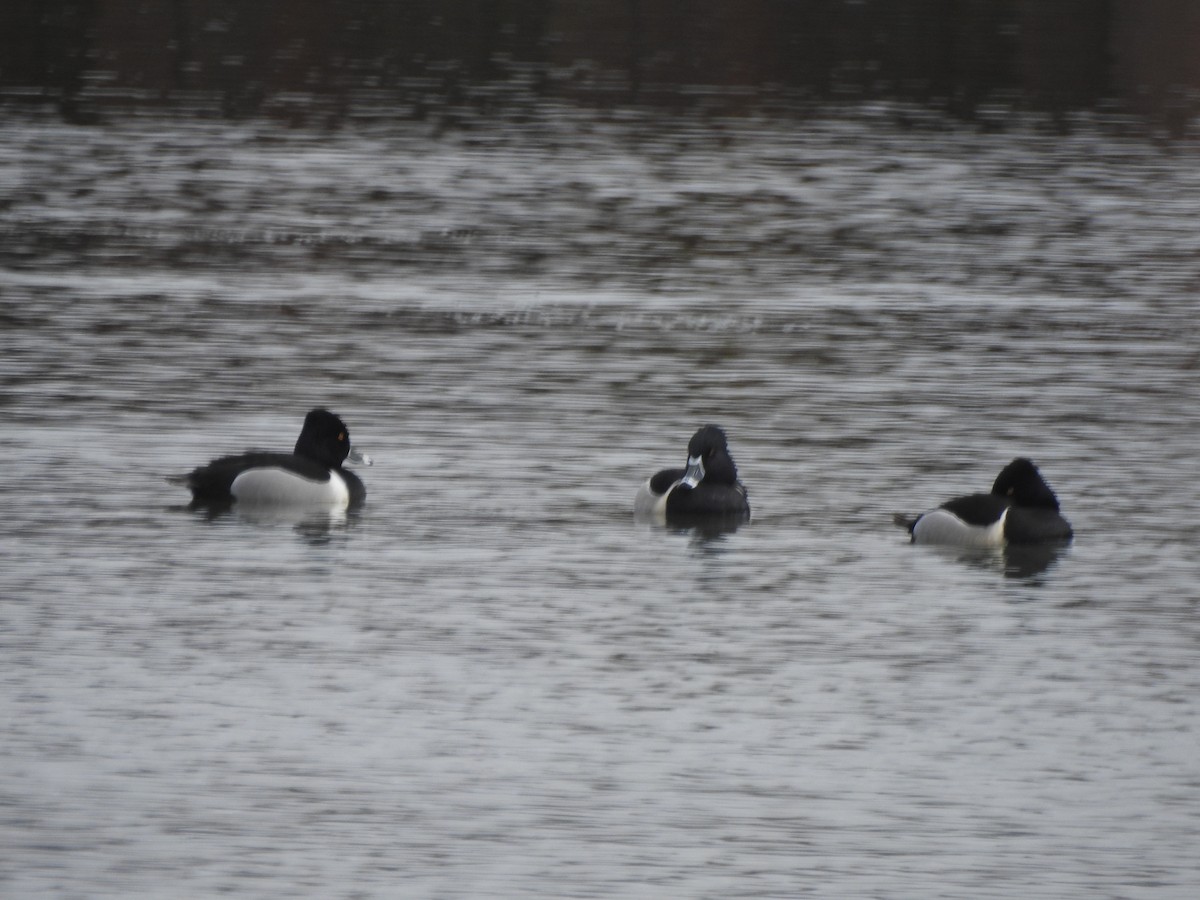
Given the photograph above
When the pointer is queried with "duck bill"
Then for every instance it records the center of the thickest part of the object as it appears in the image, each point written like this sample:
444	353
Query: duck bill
695	472
357	457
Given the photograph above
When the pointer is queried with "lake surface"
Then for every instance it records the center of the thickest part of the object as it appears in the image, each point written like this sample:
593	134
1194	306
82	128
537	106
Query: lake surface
491	681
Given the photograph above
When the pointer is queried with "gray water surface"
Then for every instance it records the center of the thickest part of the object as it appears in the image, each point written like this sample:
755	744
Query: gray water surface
490	681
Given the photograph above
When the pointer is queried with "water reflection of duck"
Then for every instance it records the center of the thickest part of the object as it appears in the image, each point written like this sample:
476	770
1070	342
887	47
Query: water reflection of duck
1021	510
707	491
311	475
1018	561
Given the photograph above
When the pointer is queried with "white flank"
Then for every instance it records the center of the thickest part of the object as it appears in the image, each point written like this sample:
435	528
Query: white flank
650	507
941	526
279	487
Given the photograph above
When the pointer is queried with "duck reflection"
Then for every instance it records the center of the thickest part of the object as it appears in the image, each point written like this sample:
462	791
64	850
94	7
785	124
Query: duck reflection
704	530
1019	561
315	524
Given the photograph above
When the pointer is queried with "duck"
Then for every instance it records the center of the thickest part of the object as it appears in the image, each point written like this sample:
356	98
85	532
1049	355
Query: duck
1021	509
707	488
311	475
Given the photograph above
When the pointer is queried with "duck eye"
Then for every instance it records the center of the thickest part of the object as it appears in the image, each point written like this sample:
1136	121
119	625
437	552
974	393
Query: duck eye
341	435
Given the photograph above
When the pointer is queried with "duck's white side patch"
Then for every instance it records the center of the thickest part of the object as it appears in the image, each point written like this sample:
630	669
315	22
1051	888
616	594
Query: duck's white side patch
940	526
649	506
279	487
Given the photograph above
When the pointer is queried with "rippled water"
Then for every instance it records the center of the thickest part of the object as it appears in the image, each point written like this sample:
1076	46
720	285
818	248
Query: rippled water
491	682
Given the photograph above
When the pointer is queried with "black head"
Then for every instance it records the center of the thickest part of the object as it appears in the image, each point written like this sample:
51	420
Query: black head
708	457
324	438
1021	482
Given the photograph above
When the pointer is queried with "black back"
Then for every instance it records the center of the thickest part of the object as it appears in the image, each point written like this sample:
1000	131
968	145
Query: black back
662	481
978	509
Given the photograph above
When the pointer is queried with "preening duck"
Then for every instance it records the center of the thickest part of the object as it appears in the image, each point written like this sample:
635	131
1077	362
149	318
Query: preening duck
706	488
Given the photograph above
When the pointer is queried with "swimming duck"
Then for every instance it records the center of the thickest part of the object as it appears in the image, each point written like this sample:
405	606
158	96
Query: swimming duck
1021	509
707	488
311	475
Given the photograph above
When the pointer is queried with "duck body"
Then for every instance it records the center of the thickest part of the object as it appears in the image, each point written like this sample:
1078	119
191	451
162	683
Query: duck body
1021	509
311	475
706	489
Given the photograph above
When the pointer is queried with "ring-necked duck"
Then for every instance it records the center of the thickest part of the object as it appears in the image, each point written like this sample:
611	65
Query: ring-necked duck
311	475
1021	509
707	488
